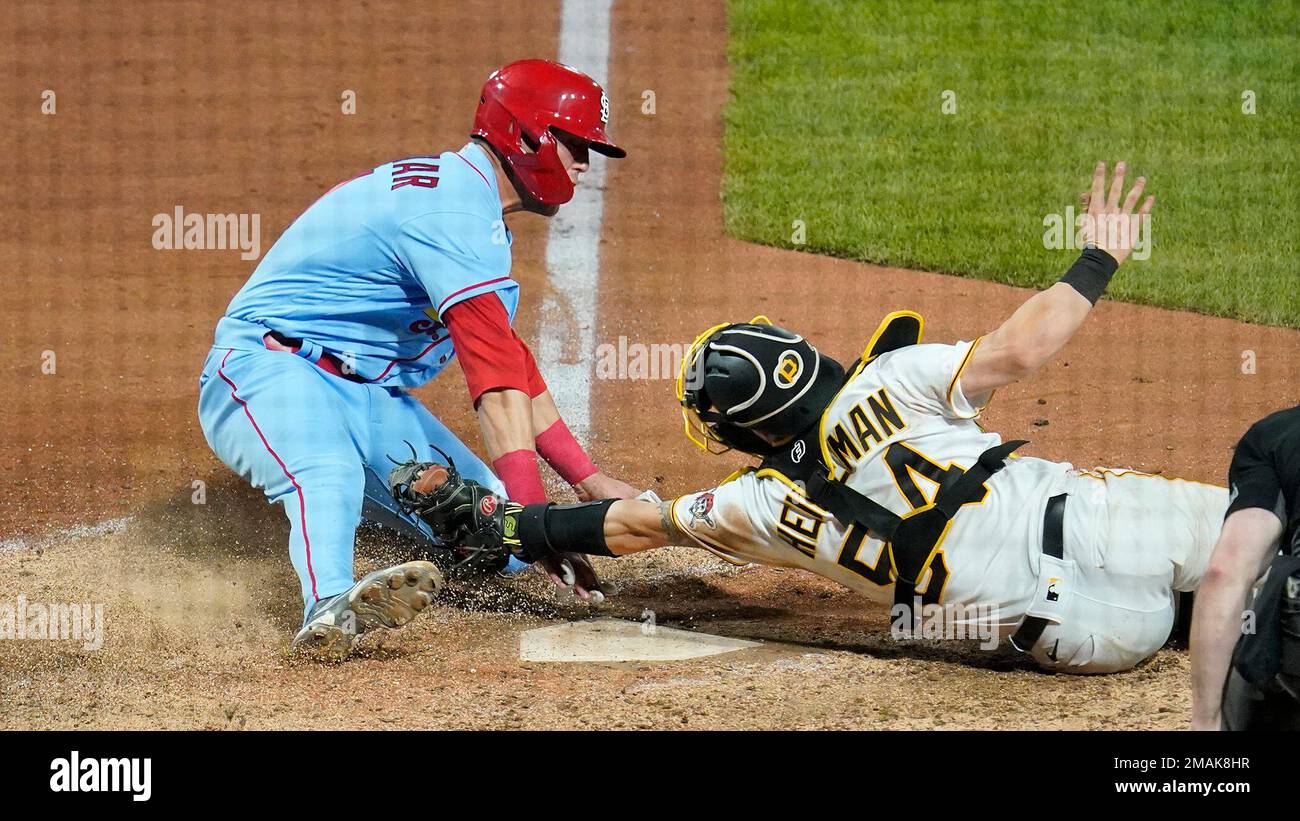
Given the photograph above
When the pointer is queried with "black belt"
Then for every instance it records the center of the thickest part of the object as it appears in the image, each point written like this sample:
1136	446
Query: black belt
1029	631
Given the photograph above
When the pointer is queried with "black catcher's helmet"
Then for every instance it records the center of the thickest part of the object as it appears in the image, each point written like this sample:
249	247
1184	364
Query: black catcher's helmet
742	379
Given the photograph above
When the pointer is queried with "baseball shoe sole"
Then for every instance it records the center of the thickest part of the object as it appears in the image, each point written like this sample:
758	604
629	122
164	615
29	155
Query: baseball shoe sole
385	598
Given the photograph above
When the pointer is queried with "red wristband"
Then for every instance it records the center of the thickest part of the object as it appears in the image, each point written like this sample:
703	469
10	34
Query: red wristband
558	447
518	472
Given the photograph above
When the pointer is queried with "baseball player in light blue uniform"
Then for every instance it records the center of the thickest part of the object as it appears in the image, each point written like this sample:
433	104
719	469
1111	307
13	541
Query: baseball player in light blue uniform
304	392
415	251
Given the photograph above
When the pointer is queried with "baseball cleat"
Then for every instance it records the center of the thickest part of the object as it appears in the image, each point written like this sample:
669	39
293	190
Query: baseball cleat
385	598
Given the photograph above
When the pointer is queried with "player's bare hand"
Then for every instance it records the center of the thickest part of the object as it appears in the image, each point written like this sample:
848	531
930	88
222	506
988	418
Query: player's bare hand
600	486
1111	224
573	571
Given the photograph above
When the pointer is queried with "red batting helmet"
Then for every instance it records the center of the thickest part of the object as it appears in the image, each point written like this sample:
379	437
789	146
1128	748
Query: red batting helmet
521	104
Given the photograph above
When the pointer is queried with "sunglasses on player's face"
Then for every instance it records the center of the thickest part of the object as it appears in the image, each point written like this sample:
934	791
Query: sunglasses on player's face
578	147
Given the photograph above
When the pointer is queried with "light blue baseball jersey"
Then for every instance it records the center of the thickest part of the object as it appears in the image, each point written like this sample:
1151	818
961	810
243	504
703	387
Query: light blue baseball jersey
366	272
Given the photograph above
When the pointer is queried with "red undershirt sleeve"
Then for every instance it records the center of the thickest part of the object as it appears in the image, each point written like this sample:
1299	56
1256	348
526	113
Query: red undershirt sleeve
536	384
491	354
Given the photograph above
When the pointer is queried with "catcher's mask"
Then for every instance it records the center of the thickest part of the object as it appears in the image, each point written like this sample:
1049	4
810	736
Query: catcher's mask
743	379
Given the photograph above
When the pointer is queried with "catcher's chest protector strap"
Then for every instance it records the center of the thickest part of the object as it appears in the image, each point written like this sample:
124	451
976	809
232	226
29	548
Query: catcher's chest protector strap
912	539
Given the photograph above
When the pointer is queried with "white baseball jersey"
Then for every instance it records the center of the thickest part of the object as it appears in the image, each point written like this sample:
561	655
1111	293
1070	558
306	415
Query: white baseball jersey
892	433
896	429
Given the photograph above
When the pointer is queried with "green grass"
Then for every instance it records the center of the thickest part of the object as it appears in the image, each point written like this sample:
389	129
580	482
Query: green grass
835	119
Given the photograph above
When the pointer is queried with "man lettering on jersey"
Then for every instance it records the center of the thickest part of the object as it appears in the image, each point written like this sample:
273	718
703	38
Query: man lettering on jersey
879	476
371	292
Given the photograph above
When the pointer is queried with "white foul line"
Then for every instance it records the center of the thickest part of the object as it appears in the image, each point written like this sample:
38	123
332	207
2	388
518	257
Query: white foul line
75	532
566	341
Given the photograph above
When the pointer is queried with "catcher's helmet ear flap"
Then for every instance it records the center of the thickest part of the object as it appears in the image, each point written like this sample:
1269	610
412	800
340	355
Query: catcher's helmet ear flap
742	380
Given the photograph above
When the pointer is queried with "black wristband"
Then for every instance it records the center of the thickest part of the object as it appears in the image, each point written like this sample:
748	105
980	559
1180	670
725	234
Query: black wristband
525	529
546	529
1091	273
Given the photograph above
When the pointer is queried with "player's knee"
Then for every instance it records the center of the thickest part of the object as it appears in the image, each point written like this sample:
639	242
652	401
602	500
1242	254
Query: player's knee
1114	651
337	489
1088	657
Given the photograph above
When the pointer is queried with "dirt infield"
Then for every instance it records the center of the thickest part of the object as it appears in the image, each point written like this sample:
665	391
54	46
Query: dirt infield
219	108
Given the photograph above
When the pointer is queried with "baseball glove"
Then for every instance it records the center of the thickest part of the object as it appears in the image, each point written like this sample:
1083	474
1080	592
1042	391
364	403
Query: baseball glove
463	514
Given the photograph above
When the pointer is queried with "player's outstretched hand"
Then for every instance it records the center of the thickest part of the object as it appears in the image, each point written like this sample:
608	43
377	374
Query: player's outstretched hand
573	571
1111	225
600	486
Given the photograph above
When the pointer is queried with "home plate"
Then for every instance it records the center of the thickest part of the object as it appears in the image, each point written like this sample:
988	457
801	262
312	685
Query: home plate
619	640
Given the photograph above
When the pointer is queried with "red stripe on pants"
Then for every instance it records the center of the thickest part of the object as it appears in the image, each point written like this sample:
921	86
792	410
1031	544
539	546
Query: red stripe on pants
302	503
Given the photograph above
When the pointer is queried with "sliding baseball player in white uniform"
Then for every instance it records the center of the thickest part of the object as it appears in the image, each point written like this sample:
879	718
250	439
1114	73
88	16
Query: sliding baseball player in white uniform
882	479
